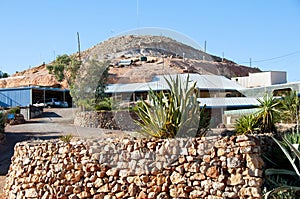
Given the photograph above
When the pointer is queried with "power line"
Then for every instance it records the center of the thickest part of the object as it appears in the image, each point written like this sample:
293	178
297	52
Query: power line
270	59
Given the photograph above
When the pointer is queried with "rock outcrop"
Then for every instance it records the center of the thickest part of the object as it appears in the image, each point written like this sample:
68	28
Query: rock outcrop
38	76
167	57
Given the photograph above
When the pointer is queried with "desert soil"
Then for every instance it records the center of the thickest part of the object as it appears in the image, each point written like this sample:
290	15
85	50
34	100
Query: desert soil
52	124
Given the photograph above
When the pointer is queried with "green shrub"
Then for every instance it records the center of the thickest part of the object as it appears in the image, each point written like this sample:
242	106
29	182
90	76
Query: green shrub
15	110
104	105
50	68
66	138
290	108
247	124
263	120
59	72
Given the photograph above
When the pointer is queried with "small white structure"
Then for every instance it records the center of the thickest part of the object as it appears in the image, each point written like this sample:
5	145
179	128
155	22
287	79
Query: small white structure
262	79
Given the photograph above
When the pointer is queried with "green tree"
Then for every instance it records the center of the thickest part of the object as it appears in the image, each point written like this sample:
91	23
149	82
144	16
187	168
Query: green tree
65	67
90	84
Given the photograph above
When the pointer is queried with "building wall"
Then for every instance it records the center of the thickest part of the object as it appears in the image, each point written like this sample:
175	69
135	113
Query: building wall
262	79
278	78
259	79
243	81
15	97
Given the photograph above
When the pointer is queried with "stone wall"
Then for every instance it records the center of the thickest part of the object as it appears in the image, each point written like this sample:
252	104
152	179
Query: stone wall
213	167
119	120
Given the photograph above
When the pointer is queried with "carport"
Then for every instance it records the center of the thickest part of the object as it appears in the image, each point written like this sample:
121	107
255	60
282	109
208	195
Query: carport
26	96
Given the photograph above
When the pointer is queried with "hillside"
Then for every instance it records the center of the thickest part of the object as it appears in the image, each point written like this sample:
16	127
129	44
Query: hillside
164	56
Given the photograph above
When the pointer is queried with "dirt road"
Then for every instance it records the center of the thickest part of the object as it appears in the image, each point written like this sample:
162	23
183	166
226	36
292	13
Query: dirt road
53	124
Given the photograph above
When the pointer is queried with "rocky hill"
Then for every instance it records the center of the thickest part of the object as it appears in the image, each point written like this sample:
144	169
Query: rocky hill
164	56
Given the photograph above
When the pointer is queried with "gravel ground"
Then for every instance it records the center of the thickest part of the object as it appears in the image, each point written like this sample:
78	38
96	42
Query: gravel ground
53	124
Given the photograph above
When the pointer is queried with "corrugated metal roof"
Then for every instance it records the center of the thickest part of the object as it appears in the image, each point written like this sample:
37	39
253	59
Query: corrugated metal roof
209	82
228	102
135	87
242	111
214	82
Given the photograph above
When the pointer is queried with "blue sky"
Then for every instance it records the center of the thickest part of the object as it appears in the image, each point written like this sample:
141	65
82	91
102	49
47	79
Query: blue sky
268	31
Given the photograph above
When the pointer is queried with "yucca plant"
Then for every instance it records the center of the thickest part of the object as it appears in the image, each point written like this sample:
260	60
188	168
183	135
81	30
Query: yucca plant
268	113
287	182
247	124
171	114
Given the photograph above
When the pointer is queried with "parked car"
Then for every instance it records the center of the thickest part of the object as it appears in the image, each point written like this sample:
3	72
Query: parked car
39	104
53	102
65	104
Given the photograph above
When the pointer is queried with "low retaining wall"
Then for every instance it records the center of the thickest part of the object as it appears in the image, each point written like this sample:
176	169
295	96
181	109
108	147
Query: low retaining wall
119	120
228	167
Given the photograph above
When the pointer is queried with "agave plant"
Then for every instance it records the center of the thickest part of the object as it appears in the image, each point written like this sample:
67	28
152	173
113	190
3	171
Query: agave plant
247	124
287	182
171	114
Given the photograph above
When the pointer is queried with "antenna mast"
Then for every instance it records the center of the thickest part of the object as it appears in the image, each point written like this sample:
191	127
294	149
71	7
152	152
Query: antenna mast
78	42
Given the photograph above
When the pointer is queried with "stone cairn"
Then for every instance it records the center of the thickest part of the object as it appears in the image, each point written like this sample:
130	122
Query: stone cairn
212	167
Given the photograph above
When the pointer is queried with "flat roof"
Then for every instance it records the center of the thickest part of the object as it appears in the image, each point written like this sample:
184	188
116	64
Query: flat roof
261	91
34	88
228	102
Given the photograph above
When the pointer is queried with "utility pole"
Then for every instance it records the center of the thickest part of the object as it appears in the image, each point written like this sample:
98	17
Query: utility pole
203	57
78	42
250	61
222	56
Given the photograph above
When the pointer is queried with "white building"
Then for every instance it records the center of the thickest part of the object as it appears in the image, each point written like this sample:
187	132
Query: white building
262	79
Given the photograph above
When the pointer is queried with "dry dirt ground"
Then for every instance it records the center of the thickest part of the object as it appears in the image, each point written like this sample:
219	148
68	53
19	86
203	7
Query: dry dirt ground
51	125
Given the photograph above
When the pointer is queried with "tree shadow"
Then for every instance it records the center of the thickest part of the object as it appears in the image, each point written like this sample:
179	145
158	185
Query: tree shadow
7	149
